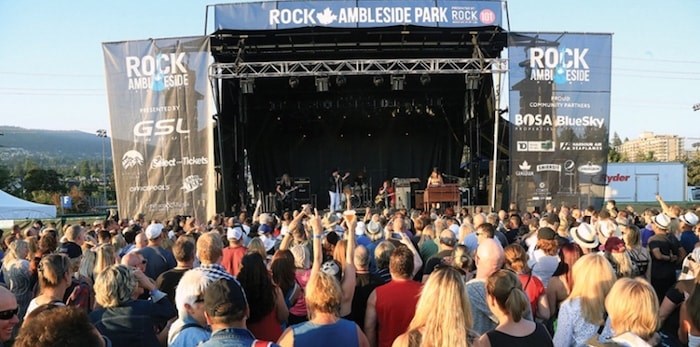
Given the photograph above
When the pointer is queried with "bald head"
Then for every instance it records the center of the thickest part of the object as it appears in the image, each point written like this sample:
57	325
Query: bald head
479	219
489	258
447	239
361	258
141	240
7	303
132	259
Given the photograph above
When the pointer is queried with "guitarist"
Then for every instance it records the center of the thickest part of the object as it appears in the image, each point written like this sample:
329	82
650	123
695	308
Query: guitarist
386	196
286	191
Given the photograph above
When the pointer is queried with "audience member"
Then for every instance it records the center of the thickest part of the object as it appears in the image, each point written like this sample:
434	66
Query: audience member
158	259
233	254
190	328
509	303
183	251
59	326
489	259
633	312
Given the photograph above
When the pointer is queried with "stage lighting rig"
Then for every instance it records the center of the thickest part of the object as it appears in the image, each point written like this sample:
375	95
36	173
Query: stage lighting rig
425	79
378	81
293	81
247	85
322	84
398	82
340	80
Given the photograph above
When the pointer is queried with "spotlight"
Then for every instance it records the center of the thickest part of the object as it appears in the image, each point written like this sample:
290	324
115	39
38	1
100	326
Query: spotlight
293	81
472	81
378	81
425	79
247	85
321	84
397	82
340	80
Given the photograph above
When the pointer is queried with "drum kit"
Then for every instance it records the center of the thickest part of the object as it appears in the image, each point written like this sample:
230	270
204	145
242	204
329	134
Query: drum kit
360	195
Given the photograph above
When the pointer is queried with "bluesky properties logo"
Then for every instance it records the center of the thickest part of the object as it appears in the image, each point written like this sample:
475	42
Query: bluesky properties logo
561	65
158	73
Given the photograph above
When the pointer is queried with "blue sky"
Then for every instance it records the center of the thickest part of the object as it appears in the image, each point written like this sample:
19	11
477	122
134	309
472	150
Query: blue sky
52	70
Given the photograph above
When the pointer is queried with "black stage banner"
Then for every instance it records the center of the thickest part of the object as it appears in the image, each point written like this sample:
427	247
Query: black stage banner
162	142
559	104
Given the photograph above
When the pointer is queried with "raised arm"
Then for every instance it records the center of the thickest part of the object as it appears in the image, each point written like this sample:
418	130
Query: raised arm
317	230
417	261
663	204
293	226
256	213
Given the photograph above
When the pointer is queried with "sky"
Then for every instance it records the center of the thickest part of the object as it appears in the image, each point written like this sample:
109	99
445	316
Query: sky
52	67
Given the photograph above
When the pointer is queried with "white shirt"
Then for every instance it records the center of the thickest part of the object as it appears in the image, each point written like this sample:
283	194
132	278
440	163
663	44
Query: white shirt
543	265
572	329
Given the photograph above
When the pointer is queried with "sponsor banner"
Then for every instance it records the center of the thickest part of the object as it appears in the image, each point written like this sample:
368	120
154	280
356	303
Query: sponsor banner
274	15
559	115
162	142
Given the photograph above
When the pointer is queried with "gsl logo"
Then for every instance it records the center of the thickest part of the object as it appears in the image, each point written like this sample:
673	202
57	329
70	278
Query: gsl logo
162	127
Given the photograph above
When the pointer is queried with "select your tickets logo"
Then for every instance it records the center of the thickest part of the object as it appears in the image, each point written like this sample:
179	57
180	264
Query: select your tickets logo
158	73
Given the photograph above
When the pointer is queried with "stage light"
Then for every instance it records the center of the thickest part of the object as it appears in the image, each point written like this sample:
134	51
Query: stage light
472	81
378	81
321	84
247	85
293	81
397	82
340	80
425	79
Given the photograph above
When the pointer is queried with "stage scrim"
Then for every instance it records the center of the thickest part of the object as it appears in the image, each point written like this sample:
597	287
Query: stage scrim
161	127
559	117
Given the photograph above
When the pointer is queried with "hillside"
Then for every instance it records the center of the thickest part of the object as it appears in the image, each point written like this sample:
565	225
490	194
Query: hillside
18	141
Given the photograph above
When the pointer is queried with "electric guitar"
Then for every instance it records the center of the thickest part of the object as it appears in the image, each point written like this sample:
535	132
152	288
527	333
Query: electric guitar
283	196
381	196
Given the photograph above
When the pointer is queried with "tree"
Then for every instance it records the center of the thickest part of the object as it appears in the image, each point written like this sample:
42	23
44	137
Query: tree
614	156
42	180
694	172
616	142
5	177
645	157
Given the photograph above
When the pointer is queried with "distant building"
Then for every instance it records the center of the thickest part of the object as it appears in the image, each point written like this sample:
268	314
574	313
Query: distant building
663	147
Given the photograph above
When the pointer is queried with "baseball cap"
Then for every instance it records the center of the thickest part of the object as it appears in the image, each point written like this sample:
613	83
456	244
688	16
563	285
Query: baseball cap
689	218
662	221
154	230
546	234
264	229
224	298
614	245
72	250
234	233
360	228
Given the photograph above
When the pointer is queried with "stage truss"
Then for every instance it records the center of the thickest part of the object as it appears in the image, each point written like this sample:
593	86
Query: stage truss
466	66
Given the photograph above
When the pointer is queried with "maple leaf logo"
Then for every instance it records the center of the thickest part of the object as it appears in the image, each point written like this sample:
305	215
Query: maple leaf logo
525	166
326	17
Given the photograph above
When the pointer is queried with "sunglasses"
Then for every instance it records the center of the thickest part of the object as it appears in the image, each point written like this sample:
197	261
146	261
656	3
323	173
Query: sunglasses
6	315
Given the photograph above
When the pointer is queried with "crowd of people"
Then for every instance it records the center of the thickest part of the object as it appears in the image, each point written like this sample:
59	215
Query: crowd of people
563	276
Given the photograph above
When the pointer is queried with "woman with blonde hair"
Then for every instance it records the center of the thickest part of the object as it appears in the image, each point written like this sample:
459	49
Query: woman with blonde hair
640	257
462	261
324	301
256	246
616	253
54	279
87	264
426	245
633	311
15	270
105	256
443	314
583	313
508	302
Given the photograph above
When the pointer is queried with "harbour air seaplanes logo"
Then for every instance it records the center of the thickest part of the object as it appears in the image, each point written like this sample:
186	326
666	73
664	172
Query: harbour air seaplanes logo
157	72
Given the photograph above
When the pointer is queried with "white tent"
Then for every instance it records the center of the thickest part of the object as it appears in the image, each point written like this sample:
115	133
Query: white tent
15	208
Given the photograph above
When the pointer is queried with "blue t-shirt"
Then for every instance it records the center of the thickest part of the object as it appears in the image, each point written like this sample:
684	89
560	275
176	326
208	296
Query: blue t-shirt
688	241
339	334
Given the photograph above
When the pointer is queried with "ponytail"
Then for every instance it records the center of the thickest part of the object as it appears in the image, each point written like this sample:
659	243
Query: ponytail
52	269
516	304
505	287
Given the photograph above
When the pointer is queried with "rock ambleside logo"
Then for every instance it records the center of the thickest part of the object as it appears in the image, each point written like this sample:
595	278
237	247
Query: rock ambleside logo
390	15
158	73
560	65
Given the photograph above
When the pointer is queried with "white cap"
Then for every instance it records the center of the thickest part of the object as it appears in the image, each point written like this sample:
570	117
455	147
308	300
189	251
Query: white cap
235	233
153	231
662	221
360	228
690	219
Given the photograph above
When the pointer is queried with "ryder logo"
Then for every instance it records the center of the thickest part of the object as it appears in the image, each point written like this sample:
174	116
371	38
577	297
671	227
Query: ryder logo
560	65
158	73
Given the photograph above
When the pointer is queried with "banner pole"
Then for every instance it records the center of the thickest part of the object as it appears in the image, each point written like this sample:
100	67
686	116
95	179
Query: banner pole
496	122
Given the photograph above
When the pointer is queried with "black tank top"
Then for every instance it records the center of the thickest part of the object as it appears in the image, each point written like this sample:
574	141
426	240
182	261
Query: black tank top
540	337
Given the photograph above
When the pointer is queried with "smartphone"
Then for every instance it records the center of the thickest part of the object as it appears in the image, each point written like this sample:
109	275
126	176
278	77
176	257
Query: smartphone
396	236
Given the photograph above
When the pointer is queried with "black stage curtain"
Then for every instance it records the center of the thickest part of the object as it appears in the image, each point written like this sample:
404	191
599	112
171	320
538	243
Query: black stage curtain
354	127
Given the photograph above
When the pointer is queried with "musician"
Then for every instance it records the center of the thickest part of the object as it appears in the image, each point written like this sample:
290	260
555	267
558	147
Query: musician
386	196
286	192
335	188
435	178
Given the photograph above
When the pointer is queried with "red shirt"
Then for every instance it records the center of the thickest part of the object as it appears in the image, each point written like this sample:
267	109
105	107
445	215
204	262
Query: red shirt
396	305
534	289
268	329
231	260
